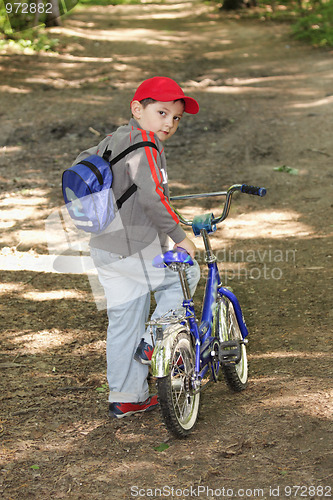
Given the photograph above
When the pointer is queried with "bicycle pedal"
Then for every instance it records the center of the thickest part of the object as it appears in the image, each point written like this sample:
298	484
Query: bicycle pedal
230	352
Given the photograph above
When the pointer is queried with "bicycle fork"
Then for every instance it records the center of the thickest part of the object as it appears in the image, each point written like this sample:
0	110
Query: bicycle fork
188	305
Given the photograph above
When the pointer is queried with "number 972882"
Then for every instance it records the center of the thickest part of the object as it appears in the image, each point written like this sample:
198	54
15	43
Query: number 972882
28	8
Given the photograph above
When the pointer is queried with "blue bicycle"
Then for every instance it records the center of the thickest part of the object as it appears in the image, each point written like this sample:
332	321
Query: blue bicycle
187	353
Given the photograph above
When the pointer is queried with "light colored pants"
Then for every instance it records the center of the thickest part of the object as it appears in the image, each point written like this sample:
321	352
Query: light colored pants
127	284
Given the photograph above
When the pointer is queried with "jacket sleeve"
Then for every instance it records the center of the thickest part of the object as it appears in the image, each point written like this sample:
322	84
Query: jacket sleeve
146	169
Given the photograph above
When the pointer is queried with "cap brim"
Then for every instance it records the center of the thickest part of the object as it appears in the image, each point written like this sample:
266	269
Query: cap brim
191	105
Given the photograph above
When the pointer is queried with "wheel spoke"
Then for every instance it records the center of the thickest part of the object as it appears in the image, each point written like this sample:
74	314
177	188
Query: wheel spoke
179	404
181	398
235	373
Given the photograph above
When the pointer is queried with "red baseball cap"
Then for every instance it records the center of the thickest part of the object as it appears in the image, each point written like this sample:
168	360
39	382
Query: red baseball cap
164	89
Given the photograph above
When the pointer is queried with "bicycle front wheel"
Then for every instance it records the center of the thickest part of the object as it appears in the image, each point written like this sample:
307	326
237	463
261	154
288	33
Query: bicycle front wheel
235	373
179	401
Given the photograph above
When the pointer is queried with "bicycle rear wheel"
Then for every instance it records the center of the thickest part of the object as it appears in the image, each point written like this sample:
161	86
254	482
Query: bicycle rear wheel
235	373
178	399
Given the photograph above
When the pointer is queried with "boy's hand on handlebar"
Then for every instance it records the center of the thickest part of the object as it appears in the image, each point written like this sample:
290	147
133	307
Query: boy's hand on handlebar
187	245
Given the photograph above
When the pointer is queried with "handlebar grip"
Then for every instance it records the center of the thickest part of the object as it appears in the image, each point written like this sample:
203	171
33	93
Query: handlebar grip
258	191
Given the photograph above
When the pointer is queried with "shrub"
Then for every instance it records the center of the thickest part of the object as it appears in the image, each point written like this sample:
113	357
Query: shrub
316	25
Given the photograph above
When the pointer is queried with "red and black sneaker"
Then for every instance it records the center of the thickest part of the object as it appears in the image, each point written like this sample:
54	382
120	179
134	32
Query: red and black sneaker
120	410
144	353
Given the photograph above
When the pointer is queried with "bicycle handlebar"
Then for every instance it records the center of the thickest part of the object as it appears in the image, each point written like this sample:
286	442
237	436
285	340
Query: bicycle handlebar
253	190
243	188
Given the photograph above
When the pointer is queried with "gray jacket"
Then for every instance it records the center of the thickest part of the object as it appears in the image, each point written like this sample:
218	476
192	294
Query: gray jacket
147	214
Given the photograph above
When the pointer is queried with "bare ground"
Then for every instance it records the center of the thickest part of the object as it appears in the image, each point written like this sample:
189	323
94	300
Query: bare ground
266	103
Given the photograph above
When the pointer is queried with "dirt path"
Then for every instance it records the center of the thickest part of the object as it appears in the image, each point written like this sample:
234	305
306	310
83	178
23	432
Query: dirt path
266	103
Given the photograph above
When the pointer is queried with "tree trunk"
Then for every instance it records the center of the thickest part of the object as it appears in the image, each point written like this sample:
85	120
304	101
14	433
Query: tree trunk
37	15
53	19
238	4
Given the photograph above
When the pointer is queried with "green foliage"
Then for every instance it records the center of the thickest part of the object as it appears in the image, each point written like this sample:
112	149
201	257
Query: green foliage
103	388
316	25
35	40
288	170
10	20
161	447
310	20
4	22
19	16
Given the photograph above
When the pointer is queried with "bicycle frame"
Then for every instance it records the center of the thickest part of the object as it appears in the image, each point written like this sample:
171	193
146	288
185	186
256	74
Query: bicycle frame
202	335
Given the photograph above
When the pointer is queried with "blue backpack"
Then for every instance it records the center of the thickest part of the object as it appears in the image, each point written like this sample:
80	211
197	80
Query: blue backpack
86	188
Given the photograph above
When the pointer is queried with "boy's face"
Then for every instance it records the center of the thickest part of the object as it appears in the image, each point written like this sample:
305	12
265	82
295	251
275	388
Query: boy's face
162	118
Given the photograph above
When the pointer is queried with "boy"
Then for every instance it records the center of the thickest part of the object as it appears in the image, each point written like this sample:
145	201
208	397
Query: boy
145	223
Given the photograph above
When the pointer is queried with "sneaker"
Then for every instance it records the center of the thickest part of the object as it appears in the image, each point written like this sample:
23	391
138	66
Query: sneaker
120	410
144	353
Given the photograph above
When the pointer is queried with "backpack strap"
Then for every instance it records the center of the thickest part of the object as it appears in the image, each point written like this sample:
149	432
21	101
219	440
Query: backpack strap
94	169
138	145
131	190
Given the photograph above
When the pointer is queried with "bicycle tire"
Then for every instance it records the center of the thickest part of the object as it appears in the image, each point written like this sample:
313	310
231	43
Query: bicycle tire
235	374
179	402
